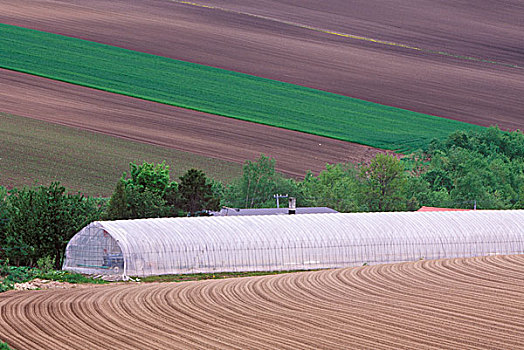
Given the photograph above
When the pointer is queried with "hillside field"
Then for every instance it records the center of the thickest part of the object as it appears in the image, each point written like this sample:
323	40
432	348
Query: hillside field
271	39
471	303
219	91
91	163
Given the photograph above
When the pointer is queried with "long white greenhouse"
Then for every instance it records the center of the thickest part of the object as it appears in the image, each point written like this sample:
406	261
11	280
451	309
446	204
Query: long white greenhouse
289	242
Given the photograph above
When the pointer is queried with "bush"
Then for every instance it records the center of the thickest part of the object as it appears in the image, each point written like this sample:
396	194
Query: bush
4	346
148	192
42	220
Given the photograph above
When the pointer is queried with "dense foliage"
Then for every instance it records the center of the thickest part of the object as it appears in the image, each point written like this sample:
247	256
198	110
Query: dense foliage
468	169
148	192
41	220
195	193
257	185
4	346
219	91
484	168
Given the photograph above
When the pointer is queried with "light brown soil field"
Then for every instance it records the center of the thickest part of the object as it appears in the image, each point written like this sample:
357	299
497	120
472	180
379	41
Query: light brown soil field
185	130
475	303
34	151
464	89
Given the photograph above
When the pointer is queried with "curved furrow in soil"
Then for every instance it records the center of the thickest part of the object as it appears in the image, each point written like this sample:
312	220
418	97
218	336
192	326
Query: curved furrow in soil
271	320
470	303
302	297
468	295
392	308
213	317
292	299
491	267
424	295
381	296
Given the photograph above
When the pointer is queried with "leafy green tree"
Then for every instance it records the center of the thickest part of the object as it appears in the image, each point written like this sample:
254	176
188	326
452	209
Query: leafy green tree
257	185
147	204
149	176
485	167
383	184
336	187
196	193
258	181
43	219
147	192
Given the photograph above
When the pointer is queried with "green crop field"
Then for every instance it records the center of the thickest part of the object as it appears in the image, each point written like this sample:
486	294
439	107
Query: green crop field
218	91
33	150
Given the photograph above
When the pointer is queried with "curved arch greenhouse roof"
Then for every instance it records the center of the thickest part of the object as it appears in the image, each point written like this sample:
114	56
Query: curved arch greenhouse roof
290	242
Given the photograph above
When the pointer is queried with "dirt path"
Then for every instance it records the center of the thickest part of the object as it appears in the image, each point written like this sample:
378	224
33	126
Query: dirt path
474	303
256	37
158	124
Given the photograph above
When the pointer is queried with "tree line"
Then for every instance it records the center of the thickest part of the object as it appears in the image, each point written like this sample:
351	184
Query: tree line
483	169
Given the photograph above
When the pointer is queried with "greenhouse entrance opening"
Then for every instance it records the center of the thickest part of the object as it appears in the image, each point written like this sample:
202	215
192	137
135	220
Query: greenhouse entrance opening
95	251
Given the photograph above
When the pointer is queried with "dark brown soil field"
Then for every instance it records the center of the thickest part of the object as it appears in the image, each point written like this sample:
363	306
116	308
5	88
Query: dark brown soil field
475	303
268	38
177	128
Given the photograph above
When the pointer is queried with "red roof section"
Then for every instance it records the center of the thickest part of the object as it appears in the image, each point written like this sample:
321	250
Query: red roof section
441	209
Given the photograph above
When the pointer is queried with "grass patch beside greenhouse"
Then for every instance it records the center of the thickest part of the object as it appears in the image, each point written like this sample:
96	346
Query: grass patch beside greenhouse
218	91
33	151
10	275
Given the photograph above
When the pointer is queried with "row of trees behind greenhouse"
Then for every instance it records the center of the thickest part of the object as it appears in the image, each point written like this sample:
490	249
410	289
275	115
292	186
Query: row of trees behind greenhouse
483	169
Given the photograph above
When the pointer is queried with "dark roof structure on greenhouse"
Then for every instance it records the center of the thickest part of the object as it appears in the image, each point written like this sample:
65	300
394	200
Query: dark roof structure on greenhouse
272	211
289	242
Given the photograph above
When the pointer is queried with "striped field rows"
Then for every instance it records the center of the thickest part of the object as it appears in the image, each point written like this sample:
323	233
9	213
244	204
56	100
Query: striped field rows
474	303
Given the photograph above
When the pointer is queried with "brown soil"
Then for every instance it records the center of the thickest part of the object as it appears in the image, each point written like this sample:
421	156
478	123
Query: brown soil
477	92
475	303
168	126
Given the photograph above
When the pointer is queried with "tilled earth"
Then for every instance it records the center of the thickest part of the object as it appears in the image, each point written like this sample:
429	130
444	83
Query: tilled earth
465	59
178	128
474	303
453	59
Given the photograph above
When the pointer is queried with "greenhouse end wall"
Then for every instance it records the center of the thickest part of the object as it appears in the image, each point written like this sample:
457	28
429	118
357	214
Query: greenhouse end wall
289	242
94	251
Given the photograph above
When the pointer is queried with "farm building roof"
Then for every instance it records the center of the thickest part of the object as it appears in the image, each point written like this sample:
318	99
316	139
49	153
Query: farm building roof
289	242
441	209
272	211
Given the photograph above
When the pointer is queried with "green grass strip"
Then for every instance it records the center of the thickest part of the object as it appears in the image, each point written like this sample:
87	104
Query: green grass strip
218	91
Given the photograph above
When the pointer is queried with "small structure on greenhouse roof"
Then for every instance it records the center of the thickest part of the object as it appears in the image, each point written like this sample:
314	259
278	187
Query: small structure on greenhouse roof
226	211
290	210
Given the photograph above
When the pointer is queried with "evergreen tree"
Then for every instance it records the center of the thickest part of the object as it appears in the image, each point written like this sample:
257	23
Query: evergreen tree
196	193
118	204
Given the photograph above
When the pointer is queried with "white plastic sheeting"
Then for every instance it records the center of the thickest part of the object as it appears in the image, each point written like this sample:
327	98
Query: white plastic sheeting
289	242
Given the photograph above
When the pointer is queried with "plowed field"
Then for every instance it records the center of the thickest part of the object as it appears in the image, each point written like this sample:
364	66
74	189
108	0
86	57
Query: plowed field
475	303
178	128
467	63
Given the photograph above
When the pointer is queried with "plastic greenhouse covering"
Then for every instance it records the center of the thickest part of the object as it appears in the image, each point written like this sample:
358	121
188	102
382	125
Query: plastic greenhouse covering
289	242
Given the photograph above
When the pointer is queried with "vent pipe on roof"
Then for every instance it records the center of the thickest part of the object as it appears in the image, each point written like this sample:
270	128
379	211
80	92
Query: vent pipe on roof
292	205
